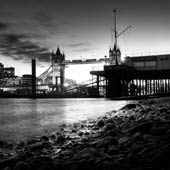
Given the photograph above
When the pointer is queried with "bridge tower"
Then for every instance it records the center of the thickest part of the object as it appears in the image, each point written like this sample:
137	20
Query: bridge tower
115	55
58	70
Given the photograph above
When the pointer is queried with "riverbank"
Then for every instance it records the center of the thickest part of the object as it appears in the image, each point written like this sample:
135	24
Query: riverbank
135	137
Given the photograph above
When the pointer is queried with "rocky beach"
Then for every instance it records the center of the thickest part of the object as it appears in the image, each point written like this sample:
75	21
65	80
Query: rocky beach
136	137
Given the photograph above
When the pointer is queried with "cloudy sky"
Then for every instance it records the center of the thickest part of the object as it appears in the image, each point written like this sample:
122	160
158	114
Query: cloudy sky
82	29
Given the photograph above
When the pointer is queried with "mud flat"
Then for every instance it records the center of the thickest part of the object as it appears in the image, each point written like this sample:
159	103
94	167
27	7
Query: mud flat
136	137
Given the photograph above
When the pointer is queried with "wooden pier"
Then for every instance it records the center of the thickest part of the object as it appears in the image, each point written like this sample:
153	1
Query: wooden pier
123	80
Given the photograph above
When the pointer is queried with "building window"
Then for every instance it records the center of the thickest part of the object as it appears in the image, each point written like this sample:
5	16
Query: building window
139	64
150	63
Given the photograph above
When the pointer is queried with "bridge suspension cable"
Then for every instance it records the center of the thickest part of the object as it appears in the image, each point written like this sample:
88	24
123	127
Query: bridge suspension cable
45	73
80	86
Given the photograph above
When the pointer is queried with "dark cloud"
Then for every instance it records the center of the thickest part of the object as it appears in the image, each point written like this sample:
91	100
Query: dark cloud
3	26
20	48
75	45
83	50
80	47
44	19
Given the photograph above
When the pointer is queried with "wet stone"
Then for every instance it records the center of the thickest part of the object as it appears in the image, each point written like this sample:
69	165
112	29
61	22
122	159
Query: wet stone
74	131
113	150
100	123
80	133
87	153
21	166
110	120
36	146
105	165
60	139
123	140
114	132
53	137
131	106
107	141
7	168
2	143
142	128
109	126
44	138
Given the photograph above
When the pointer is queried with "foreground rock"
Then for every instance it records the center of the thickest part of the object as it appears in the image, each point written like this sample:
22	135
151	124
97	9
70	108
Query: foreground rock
137	137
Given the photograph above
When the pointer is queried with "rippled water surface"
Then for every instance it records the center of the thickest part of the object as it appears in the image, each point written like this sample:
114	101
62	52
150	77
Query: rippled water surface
21	119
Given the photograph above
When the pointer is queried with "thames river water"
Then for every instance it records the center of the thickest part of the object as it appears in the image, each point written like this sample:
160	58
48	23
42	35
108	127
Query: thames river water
21	119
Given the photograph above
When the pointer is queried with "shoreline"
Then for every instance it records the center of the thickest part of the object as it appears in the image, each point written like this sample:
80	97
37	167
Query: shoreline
134	137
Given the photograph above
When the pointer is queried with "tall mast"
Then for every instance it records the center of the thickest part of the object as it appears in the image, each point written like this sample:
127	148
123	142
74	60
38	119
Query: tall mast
115	35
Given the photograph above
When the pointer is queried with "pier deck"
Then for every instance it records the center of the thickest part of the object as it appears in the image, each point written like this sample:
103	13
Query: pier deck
123	80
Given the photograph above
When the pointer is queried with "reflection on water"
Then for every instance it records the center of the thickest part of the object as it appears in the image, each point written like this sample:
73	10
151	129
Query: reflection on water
21	119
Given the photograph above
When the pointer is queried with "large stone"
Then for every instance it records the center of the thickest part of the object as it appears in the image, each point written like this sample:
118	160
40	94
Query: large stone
114	132
109	126
60	139
87	153
2	143
142	128
105	165
44	138
107	141
53	137
100	123
21	166
162	158
41	163
112	150
124	140
132	106
85	164
36	146
7	168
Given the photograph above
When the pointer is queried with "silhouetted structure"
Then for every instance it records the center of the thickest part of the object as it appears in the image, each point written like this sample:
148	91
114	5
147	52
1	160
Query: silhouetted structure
6	72
33	78
138	76
115	55
26	80
58	70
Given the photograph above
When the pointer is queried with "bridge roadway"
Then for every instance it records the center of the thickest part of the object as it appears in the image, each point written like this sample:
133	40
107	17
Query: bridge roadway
87	61
13	88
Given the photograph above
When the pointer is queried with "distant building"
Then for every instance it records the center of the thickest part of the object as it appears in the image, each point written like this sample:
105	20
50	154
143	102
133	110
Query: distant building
1	70
8	72
26	80
12	81
5	74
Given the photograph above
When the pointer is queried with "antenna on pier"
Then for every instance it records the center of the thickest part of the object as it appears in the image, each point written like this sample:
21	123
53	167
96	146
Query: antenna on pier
116	35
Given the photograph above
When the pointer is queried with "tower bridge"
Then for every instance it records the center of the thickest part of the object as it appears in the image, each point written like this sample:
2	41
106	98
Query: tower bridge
54	75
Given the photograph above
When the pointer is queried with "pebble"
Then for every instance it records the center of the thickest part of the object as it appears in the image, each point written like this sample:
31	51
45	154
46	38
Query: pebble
21	166
7	168
109	126
100	123
135	137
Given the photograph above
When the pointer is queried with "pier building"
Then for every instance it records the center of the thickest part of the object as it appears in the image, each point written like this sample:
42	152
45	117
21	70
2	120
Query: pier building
137	76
